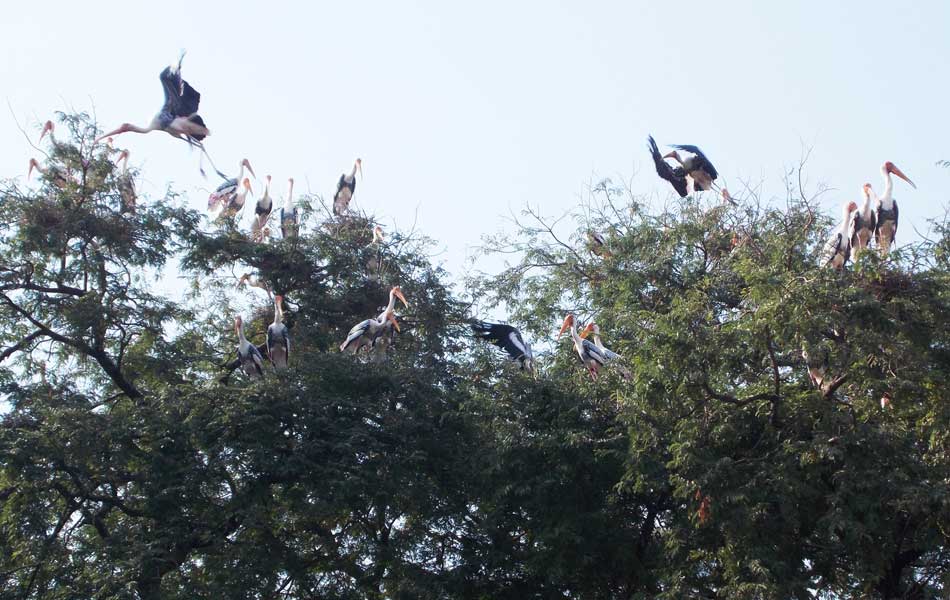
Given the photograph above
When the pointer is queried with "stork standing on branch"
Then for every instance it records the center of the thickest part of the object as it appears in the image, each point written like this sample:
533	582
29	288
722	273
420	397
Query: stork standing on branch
611	357
278	337
886	212
249	356
262	213
366	333
838	247
224	195
289	215
863	223
591	356
178	116
345	188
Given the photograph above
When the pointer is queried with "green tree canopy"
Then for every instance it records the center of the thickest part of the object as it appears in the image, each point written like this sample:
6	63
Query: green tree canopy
135	463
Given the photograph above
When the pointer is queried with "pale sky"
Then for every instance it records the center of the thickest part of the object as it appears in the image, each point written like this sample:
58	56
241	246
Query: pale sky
463	114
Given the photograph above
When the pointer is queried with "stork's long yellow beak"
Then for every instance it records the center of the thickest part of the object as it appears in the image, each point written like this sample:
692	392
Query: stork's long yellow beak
568	322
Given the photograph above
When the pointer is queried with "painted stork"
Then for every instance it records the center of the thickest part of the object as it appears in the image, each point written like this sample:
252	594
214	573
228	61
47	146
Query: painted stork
675	175
388	333
838	247
236	204
278	337
48	128
248	279
250	357
378	237
289	216
817	367
862	225
598	243
226	191
886	213
178	116
367	332
699	170
345	188
612	357
508	339
126	183
591	356
262	213
54	176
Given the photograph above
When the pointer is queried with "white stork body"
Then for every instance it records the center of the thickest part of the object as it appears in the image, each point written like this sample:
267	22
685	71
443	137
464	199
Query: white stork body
250	357
368	332
345	188
838	247
289	217
278	337
611	357
224	195
591	356
388	332
262	213
886	211
862	224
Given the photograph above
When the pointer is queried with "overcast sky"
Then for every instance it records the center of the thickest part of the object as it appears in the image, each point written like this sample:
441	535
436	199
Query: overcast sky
462	114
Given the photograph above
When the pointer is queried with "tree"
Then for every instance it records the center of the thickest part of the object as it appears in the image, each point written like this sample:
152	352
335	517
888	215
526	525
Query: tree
136	462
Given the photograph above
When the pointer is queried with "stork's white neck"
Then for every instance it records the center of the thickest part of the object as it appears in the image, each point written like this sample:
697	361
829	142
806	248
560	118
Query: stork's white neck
289	202
845	217
886	199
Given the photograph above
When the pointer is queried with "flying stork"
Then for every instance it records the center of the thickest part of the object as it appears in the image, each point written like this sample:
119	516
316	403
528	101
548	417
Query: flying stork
289	216
699	170
675	175
225	193
591	356
862	224
250	357
612	357
838	247
278	337
345	188
366	333
178	116
262	213
886	212
508	339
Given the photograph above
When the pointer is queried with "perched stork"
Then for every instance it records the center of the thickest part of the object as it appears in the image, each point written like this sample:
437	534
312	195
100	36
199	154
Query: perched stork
179	114
54	176
675	175
838	247
366	333
591	356
388	332
236	204
48	128
262	213
886	213
862	224
508	339
598	243
345	188
226	191
278	337
612	357
250	357
378	237
699	170
289	216
817	367
126	183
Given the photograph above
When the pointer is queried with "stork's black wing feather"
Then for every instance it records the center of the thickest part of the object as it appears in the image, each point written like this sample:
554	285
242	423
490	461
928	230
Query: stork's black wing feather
706	163
675	175
171	84
188	105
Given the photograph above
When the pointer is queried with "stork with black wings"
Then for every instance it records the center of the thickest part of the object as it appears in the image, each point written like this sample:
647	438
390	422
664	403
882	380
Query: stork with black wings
179	114
699	169
675	175
508	339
